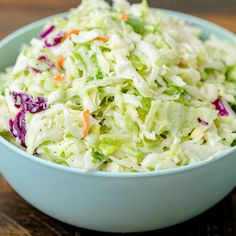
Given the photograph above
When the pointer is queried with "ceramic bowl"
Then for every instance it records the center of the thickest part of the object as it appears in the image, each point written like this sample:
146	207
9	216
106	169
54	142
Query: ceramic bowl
110	202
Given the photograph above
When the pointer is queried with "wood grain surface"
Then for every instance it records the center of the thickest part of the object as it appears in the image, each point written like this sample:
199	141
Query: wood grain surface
19	218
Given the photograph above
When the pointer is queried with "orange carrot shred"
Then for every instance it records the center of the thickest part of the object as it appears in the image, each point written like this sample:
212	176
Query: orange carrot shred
103	39
86	123
69	33
125	17
60	61
59	77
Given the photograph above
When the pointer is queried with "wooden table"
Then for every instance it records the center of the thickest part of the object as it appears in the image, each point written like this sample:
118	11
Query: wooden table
18	218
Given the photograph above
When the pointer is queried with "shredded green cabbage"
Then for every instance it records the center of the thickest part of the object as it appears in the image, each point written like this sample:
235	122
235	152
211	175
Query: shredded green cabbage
134	90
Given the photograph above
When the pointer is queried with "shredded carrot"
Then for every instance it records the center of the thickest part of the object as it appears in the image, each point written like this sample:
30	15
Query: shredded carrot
125	17
60	61
59	77
69	33
103	39
86	123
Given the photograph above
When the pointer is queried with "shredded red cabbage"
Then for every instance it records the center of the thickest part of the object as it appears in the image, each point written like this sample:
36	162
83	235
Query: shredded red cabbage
55	41
46	32
49	63
40	104
202	122
26	102
219	105
18	127
21	99
37	71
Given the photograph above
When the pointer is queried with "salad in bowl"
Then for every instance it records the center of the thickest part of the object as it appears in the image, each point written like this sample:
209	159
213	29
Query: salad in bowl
121	88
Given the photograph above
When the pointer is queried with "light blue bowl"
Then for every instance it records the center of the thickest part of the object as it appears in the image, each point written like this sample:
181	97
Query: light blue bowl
111	202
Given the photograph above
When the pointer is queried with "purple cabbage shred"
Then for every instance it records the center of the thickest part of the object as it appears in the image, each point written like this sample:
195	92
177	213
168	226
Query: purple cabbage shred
55	41
202	122
46	32
18	127
37	71
48	62
220	107
27	103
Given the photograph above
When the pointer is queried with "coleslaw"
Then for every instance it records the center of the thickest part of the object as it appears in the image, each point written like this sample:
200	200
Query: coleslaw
121	88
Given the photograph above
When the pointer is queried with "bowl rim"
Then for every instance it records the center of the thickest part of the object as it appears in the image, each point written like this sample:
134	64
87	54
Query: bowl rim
23	154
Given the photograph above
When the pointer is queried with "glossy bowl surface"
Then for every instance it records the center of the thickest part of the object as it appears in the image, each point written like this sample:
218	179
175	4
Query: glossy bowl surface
113	202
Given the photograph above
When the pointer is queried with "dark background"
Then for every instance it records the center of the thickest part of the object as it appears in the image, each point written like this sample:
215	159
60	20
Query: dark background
19	218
